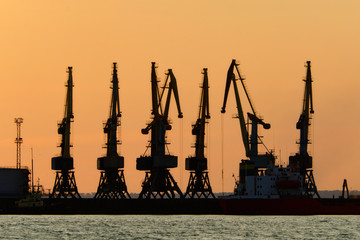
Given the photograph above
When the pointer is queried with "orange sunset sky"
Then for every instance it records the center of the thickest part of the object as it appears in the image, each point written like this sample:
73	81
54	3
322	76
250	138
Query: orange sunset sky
271	40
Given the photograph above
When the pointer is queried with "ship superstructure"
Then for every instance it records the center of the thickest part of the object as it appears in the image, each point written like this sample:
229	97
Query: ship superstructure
259	176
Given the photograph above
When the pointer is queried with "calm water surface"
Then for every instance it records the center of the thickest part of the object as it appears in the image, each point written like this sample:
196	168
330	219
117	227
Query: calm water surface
178	227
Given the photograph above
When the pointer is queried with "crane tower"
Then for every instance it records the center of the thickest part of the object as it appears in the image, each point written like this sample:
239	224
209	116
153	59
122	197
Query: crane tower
65	184
303	160
158	182
199	183
112	181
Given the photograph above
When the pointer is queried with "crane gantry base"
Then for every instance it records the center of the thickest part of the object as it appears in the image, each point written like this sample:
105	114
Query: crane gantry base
159	183
199	186
65	185
310	186
112	185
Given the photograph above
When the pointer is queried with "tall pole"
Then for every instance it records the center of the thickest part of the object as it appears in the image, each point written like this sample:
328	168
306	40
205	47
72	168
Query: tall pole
18	141
32	171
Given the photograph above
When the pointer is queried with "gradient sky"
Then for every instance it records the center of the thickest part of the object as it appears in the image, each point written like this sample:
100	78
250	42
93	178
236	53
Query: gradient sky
271	40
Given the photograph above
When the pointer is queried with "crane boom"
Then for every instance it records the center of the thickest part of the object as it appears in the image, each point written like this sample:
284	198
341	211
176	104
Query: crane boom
199	126
305	116
244	87
231	78
244	132
113	121
154	90
172	88
157	99
250	144
64	126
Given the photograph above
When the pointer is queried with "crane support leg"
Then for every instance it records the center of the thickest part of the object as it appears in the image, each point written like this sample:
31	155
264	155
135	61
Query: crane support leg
112	185
159	183
199	186
310	186
65	185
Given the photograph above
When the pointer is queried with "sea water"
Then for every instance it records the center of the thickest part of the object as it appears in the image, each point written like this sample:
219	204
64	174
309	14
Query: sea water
178	227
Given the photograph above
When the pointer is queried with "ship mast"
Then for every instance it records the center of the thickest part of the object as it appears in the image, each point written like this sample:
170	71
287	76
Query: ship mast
199	183
112	181
65	184
158	182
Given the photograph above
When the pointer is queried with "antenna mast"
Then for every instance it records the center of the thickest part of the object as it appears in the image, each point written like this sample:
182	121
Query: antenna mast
18	141
32	171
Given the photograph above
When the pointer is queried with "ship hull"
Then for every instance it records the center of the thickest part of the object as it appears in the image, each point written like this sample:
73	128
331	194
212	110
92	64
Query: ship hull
225	206
119	206
290	206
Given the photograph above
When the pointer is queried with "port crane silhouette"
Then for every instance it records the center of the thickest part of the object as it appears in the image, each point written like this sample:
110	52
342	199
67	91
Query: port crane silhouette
302	160
259	161
158	182
65	184
199	182
112	180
